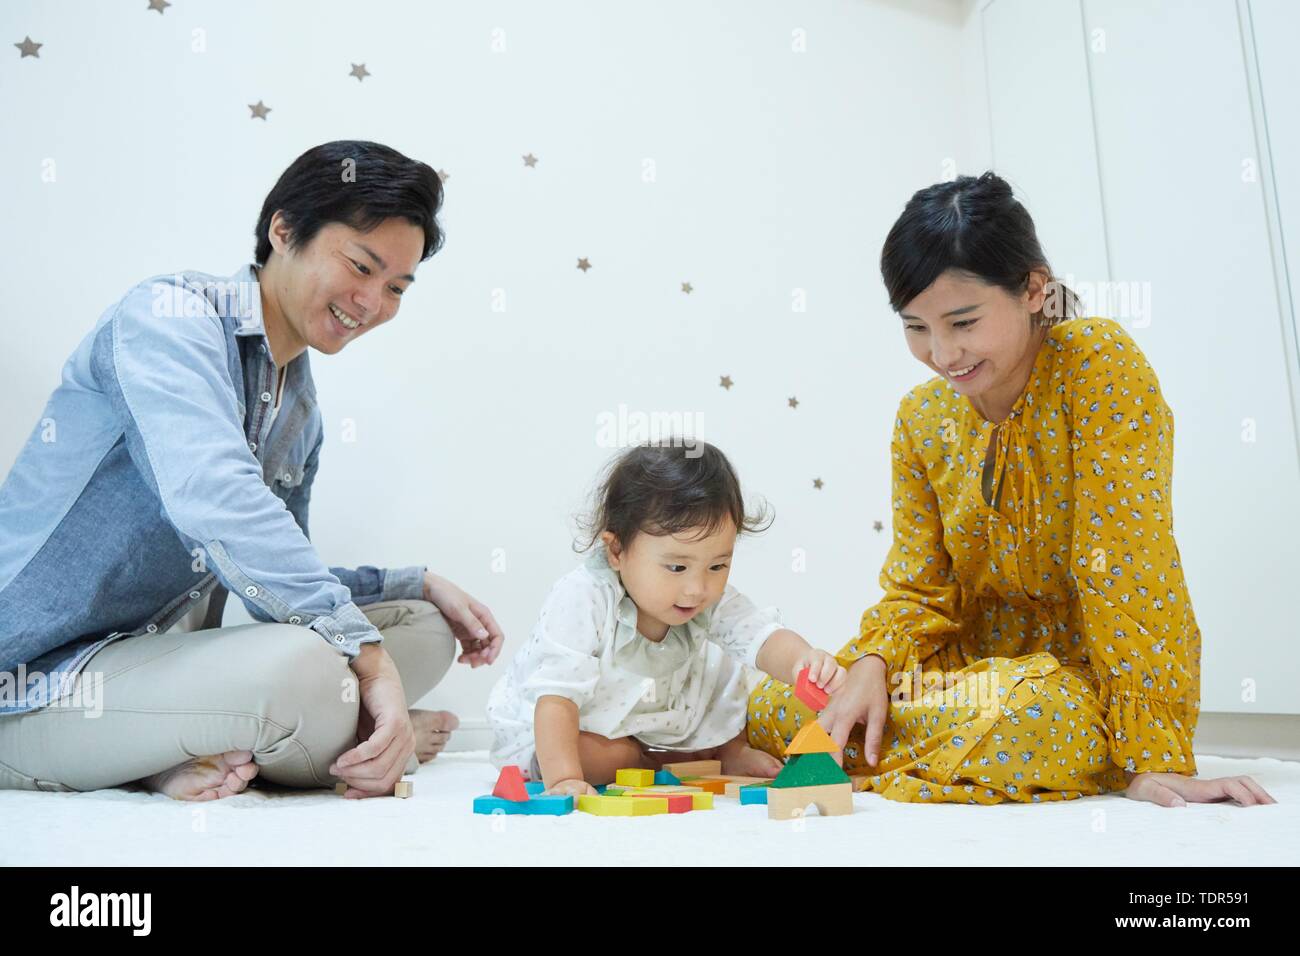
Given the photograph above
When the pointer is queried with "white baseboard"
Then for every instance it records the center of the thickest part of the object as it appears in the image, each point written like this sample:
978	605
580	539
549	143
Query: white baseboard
1217	734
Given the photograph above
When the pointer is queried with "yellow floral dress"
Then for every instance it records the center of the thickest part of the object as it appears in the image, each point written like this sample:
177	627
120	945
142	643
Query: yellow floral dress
1037	631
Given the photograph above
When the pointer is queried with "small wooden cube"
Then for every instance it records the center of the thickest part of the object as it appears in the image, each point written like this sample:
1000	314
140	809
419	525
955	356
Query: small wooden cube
404	789
340	788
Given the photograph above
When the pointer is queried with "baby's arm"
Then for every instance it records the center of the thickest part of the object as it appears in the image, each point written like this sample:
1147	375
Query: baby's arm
784	654
555	730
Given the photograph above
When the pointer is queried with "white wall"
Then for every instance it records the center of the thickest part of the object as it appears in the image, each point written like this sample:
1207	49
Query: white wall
476	430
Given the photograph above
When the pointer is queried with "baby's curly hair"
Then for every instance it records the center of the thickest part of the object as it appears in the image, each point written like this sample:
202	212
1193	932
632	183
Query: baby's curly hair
667	487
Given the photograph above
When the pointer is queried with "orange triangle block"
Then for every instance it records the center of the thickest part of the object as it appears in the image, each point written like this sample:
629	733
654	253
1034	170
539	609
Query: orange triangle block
812	739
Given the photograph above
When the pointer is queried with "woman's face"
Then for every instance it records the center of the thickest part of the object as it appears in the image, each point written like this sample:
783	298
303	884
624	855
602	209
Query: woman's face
977	336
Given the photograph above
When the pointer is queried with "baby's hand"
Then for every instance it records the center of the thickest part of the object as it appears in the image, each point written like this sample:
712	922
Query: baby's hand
576	788
823	670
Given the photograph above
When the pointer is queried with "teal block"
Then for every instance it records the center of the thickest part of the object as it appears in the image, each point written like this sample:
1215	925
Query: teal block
552	805
753	795
666	778
535	788
491	804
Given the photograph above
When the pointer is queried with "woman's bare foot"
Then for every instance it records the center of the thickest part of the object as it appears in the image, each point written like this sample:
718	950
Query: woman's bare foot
432	731
741	760
205	778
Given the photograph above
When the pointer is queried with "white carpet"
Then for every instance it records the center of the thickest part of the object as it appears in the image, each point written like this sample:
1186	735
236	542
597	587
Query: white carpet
437	827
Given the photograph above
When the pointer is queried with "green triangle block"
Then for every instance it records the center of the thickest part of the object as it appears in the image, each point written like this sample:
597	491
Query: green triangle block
810	770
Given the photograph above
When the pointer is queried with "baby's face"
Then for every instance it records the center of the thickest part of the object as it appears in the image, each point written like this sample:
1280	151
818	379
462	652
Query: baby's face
672	578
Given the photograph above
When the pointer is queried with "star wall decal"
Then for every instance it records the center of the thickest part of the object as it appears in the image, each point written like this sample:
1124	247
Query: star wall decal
687	288
359	71
530	160
29	48
726	382
159	5
584	265
817	483
792	402
877	526
260	110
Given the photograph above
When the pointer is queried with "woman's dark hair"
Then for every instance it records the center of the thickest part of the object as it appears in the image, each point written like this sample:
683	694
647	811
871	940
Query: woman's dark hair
973	225
356	182
667	487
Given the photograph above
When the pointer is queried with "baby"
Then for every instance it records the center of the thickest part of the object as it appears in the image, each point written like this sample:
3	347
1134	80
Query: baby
642	645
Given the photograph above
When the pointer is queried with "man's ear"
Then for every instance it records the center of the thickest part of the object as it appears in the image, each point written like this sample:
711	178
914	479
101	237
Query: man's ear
613	552
278	233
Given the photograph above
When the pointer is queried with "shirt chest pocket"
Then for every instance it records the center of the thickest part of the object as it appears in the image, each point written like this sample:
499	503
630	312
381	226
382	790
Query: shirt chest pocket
286	479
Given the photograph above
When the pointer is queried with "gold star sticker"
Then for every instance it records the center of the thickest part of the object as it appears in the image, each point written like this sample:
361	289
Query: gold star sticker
159	5
792	402
443	175
817	483
687	288
359	71
29	48
877	526
530	160
584	265
726	382
259	110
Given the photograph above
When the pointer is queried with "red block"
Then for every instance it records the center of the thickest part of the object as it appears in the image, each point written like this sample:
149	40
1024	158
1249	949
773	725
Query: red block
810	693
510	785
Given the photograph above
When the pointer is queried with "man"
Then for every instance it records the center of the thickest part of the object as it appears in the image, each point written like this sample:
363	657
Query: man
174	464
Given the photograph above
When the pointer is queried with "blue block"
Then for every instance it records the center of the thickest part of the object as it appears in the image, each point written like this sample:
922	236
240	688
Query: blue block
491	804
666	778
554	805
753	795
535	788
601	789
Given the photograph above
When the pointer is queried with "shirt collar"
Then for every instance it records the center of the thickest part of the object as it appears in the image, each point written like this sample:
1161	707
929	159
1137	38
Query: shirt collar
246	302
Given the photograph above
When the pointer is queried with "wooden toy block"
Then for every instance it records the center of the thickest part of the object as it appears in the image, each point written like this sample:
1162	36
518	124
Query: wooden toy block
404	789
831	800
702	801
657	791
634	778
812	738
810	770
810	693
694	768
754	794
340	788
535	788
622	806
677	802
510	785
549	805
663	777
709	785
491	804
737	784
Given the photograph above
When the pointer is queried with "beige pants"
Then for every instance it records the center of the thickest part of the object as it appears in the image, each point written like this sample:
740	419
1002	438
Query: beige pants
277	690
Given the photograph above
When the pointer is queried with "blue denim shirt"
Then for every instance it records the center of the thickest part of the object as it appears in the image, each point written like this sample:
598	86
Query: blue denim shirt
155	473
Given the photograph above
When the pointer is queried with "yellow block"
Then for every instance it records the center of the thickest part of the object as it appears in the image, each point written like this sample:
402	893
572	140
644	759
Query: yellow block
659	789
635	778
622	806
701	801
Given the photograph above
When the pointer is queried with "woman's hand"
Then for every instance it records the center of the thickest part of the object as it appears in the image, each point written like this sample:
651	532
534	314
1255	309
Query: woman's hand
863	699
471	622
575	788
387	740
1176	790
823	670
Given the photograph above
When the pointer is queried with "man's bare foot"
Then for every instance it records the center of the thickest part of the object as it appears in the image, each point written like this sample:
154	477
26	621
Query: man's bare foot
205	778
432	731
741	760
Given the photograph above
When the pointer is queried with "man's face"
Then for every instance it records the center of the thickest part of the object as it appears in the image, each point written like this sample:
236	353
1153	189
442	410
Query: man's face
345	282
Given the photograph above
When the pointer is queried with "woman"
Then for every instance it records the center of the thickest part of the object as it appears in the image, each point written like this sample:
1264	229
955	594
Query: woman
1036	631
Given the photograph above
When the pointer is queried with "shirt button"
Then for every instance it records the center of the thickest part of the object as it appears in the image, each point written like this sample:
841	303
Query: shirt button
295	619
251	591
339	639
252	446
152	628
288	476
195	595
266	396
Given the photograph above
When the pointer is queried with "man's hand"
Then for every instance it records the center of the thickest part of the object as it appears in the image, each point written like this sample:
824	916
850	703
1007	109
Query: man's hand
471	622
1176	790
387	740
